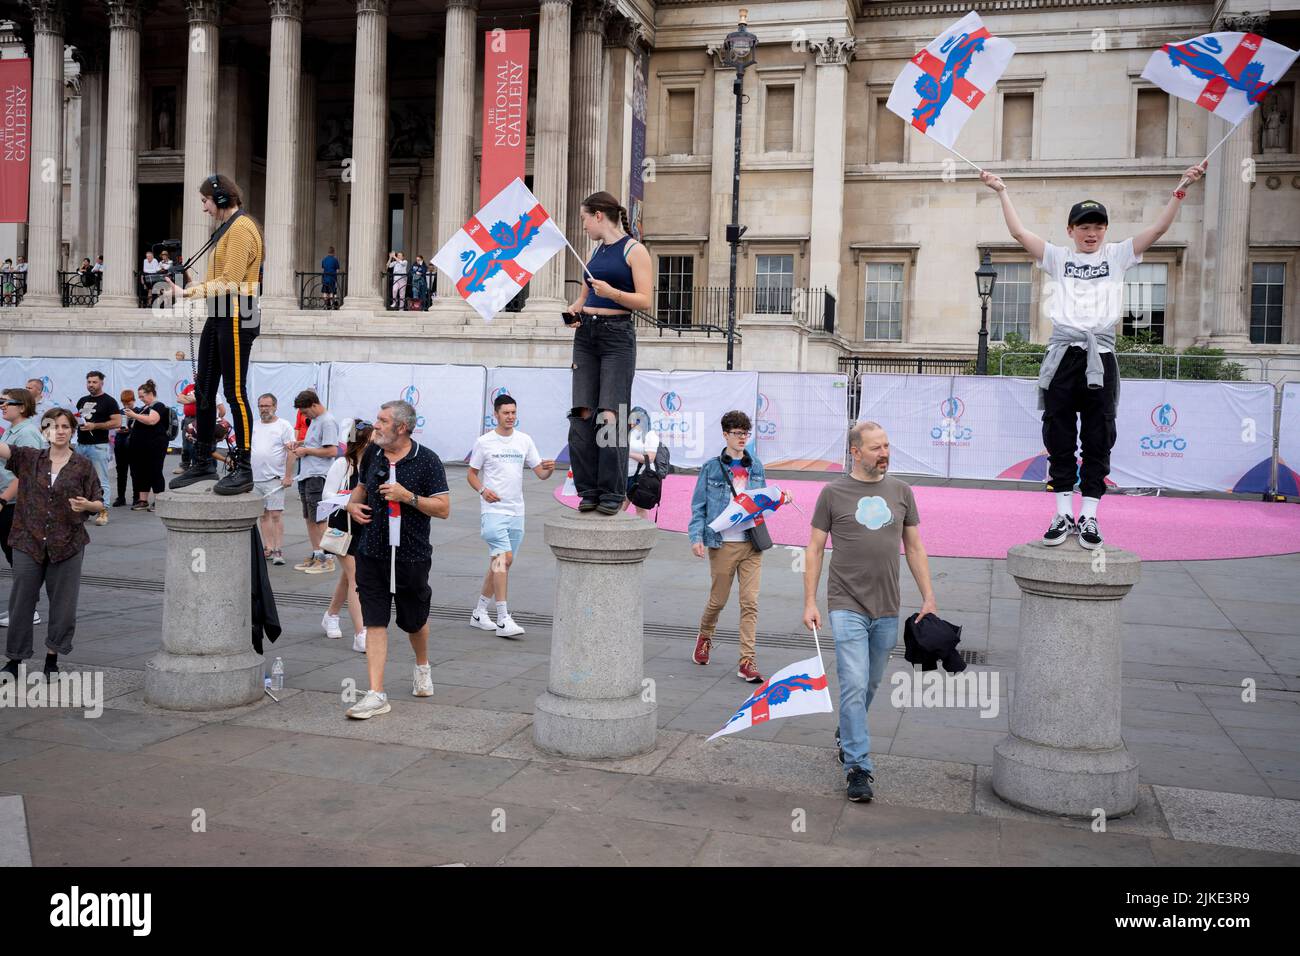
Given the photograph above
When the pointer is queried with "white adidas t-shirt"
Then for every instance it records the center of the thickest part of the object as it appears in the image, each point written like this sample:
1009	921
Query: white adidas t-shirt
500	460
1086	291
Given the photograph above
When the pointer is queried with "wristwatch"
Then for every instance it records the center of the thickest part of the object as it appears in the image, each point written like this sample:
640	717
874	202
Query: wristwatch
414	499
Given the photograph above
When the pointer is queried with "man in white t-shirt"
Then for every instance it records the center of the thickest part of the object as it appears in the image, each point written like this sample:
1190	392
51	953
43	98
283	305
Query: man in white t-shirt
1079	379
272	473
502	455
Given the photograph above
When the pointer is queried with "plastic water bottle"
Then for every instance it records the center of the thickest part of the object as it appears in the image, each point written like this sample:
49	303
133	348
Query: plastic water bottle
277	674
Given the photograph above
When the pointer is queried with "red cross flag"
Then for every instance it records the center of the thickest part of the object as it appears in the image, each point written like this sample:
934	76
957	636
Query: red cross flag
1226	73
500	249
941	86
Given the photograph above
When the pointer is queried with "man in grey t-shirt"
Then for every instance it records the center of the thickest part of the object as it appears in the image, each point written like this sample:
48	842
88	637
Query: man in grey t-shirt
315	453
868	513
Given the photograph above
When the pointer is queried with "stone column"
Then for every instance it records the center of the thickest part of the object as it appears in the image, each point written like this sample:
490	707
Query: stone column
121	193
833	58
282	170
1065	754
595	705
45	208
586	121
368	229
551	137
456	162
90	211
202	57
206	662
307	256
1231	326
623	41
724	141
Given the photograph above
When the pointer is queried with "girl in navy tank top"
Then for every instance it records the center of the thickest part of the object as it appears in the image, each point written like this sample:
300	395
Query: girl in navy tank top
617	283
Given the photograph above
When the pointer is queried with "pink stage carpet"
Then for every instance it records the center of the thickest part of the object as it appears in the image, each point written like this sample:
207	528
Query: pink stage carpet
975	523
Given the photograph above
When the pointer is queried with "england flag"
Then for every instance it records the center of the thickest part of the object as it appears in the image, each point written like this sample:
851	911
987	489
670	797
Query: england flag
499	250
798	689
1228	74
942	85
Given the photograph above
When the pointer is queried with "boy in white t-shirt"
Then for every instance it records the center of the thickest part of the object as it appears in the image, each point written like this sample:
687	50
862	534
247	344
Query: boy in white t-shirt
1079	379
501	455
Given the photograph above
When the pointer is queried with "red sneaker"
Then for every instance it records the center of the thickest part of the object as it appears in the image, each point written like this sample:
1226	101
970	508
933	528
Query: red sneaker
748	671
702	647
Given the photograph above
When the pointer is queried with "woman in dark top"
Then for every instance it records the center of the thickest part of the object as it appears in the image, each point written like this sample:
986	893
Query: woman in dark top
122	449
56	490
604	354
419	284
148	446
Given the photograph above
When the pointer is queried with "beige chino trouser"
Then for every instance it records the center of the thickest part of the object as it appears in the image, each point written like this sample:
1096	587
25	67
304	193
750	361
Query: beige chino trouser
734	559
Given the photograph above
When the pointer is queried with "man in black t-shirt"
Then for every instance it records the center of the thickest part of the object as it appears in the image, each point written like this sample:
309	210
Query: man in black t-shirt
97	415
418	488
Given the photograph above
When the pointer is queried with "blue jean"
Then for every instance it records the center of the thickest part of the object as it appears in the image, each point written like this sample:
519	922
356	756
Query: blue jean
862	647
99	456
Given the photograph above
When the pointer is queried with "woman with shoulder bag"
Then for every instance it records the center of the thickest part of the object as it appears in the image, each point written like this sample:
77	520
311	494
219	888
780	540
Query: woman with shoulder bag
341	539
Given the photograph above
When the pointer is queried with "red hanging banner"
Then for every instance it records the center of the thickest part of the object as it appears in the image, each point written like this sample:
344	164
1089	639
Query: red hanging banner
15	138
505	110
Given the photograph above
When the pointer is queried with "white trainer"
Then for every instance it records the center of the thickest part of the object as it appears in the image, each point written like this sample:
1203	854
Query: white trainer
36	619
359	642
422	681
369	706
331	624
508	628
481	619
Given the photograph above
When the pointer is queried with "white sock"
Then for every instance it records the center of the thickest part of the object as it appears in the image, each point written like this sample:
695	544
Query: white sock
1089	508
502	613
1065	503
483	602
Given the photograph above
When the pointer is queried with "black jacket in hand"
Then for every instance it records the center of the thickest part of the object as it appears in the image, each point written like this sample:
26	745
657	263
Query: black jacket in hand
931	641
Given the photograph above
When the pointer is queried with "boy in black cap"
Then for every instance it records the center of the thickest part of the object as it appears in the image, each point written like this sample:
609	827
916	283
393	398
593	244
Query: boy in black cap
1079	376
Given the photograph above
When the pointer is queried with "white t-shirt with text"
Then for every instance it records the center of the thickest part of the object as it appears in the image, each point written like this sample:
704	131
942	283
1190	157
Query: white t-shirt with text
1086	291
501	460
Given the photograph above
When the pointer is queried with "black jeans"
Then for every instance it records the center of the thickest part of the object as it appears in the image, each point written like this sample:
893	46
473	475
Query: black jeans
1069	400
604	362
224	348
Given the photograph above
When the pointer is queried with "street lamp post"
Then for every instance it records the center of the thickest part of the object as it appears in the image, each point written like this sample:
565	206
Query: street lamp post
985	278
739	52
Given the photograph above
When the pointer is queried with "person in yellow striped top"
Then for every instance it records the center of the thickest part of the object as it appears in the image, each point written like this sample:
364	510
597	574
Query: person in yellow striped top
231	291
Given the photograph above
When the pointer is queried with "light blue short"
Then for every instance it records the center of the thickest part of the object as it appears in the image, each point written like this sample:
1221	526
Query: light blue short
502	532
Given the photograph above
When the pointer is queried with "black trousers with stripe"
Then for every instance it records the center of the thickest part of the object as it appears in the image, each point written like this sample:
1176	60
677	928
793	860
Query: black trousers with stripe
222	361
1076	415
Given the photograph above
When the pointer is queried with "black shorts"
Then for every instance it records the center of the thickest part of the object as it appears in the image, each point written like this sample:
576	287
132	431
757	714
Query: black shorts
413	592
310	490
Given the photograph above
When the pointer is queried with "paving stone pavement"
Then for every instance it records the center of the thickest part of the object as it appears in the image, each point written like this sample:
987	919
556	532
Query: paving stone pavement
456	778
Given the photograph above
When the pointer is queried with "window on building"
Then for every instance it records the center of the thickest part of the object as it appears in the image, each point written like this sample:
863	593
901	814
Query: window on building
1009	309
1267	290
1152	123
774	285
778	119
1017	125
884	302
889	134
1145	286
681	122
675	294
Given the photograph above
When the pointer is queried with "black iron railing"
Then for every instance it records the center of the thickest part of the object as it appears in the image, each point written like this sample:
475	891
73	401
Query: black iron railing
855	365
411	291
321	290
79	289
13	286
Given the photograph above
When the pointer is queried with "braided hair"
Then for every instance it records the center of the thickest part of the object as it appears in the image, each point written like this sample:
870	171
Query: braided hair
605	203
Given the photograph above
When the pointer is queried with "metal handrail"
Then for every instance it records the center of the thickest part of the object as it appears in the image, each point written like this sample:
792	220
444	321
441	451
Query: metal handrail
78	290
1123	357
311	290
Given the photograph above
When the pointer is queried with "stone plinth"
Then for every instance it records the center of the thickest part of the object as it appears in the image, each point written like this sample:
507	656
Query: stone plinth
207	662
1065	755
594	704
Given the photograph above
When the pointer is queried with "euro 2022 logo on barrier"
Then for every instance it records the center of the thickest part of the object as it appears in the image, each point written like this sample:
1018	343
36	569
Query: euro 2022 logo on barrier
179	391
950	431
1163	443
489	417
673	422
765	422
411	395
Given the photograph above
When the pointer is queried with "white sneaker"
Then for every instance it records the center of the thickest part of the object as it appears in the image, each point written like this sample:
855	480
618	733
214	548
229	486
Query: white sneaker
508	628
370	705
331	624
422	681
359	642
36	619
482	619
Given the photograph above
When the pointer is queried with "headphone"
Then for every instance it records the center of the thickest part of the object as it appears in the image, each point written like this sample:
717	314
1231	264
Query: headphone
219	196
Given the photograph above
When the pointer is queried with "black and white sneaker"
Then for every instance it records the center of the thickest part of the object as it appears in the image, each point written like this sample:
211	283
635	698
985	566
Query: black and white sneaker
1062	527
859	788
1089	536
839	751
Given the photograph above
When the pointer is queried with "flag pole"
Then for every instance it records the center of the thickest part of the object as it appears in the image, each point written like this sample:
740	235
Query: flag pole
817	643
581	261
1185	180
961	157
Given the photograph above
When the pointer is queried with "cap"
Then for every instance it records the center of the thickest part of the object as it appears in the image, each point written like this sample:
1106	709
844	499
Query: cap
1089	210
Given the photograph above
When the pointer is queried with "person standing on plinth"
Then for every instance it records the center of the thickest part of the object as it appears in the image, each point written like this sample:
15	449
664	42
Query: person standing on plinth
1079	379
